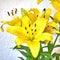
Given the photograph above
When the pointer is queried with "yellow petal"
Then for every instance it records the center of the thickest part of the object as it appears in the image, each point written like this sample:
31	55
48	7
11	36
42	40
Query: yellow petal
53	31
17	30
48	12
33	14
56	4
25	21
34	48
15	21
39	1
53	25
40	26
44	36
57	17
26	24
19	41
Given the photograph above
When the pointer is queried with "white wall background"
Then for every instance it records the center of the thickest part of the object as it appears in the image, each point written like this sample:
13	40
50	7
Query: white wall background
7	40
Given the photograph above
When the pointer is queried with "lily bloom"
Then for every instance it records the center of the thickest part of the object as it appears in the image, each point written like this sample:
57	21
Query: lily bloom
52	28
31	34
56	4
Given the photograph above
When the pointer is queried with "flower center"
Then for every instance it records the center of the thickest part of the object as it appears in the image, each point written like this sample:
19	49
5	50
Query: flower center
30	32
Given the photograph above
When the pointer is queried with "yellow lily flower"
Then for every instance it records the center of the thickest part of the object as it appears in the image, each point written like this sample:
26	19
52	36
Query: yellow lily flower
39	1
30	34
57	16
56	4
52	28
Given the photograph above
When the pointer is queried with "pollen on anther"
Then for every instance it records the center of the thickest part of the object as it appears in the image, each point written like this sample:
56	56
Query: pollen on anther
35	30
15	10
29	25
35	25
8	13
27	32
12	12
37	15
25	28
32	33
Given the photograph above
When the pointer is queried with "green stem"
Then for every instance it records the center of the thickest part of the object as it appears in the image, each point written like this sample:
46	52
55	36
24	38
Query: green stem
51	17
57	35
56	39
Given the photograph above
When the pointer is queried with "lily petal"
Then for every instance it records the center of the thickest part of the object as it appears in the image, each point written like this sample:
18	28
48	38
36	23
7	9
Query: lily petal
57	16
33	14
44	36
53	31
15	21
17	30
48	12
39	1
25	21
34	48
39	25
19	41
56	4
53	24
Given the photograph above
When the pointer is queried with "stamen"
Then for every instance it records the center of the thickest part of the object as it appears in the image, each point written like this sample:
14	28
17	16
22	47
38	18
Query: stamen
25	28
44	16
48	26
37	15
35	25
35	30
44	9
12	12
32	33
8	13
29	25
15	10
27	32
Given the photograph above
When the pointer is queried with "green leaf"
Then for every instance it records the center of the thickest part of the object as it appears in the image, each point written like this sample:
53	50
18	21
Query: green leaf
51	17
16	47
57	46
24	53
50	47
57	55
22	48
21	58
45	56
24	12
25	48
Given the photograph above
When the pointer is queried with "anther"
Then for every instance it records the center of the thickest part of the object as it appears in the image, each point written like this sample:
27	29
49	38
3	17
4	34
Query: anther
8	13
44	9
25	28
15	10
35	30
35	25
12	12
27	32
29	25
37	15
44	16
32	33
